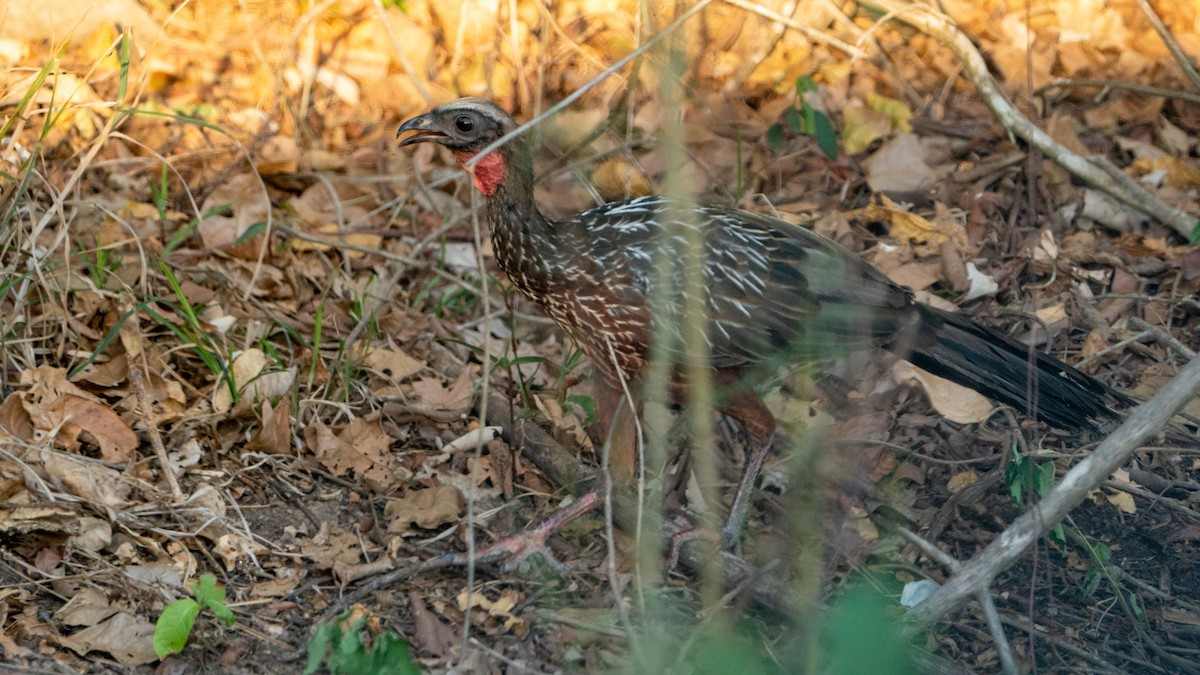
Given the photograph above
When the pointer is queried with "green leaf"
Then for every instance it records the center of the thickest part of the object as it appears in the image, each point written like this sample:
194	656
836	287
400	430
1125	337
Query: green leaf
1136	606
254	229
174	625
1043	478
805	84
775	137
212	597
1014	478
1195	238
825	134
318	647
795	121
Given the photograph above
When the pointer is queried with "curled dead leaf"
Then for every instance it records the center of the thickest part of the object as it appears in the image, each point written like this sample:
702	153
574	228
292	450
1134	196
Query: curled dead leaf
955	402
428	508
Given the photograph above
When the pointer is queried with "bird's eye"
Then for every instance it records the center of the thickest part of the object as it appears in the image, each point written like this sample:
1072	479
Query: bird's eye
464	123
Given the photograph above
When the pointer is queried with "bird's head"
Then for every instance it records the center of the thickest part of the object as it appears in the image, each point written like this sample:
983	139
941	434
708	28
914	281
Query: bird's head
467	126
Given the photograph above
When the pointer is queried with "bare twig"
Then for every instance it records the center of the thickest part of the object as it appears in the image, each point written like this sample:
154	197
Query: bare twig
1106	85
578	93
160	451
1116	184
1181	57
988	606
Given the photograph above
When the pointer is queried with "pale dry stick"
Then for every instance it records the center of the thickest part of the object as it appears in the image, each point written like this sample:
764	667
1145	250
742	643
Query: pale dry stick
1154	498
1107	85
160	450
990	614
1114	183
486	362
608	494
586	87
398	51
1142	424
1181	57
1116	347
1162	337
1100	664
514	35
808	32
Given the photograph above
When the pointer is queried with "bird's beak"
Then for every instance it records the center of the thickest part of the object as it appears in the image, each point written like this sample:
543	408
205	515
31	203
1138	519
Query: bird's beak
424	126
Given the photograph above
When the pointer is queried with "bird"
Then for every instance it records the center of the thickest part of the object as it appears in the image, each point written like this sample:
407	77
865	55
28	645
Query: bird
774	292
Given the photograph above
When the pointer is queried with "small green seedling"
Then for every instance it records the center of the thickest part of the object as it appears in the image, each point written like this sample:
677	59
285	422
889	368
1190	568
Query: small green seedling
341	646
803	118
1022	476
174	625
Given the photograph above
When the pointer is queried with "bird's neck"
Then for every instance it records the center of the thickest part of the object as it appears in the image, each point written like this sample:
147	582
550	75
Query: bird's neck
523	239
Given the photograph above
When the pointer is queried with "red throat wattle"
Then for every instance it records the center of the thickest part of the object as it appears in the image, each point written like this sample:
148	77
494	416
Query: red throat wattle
487	174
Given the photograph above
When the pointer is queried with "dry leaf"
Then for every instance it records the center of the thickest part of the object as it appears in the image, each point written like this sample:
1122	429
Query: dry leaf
617	179
360	447
126	638
71	414
500	609
1122	500
89	480
432	634
246	366
899	166
955	402
89	607
428	508
393	364
962	480
275	435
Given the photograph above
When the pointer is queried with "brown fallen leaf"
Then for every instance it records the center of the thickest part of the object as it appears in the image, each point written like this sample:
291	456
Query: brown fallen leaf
360	447
432	634
428	508
275	435
89	480
72	414
955	402
126	638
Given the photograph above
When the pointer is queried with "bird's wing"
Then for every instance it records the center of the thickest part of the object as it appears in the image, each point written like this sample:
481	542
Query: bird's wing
771	289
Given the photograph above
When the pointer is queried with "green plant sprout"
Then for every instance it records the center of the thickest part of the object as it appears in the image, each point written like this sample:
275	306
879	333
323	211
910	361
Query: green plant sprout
174	625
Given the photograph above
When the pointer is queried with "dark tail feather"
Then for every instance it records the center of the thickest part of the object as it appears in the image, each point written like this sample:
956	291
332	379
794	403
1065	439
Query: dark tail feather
954	347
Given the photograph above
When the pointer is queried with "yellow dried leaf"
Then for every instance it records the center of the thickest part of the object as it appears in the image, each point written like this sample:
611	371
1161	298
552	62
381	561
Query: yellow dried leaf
618	179
862	126
898	112
1123	501
962	480
428	508
955	402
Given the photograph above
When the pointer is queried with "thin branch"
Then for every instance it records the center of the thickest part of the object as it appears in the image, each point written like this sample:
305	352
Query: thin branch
578	93
1181	57
1106	85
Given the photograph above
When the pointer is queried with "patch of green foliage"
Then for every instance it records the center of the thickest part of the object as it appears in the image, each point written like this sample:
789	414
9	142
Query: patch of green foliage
344	650
174	625
803	118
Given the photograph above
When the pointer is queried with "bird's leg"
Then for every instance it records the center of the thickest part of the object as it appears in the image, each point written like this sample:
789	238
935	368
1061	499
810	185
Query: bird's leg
760	424
616	426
